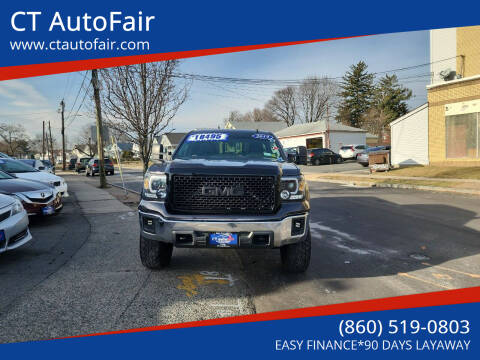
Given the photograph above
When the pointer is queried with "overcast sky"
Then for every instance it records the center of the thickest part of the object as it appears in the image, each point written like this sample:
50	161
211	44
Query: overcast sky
29	101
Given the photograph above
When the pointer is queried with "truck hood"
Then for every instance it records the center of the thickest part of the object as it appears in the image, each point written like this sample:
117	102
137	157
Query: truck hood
228	167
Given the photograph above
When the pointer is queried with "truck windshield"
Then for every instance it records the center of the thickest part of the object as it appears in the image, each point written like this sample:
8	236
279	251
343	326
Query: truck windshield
230	146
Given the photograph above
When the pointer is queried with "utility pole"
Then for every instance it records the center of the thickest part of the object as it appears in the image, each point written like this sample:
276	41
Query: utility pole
90	153
328	129
52	159
43	140
98	107
62	109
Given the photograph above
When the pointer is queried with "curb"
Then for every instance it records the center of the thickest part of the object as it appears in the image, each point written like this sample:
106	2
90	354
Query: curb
121	187
398	186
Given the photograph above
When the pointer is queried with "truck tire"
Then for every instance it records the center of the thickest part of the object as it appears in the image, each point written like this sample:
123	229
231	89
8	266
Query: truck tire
155	254
296	257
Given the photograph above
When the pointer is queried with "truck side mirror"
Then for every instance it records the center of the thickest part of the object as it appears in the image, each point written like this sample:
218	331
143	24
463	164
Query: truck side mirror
290	158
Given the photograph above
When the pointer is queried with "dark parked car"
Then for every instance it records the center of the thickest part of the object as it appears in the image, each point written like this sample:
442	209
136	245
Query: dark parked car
299	154
323	156
93	167
81	164
363	157
71	163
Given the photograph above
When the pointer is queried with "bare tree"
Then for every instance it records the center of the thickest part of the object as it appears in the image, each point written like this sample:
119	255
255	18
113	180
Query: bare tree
316	98
14	139
84	142
283	105
141	100
233	116
375	120
263	115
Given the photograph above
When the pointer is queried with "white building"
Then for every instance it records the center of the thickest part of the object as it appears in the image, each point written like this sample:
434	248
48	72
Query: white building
320	135
164	145
409	138
443	55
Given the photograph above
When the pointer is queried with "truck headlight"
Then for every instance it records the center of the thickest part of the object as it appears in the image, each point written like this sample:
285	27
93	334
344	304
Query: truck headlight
17	207
155	186
293	188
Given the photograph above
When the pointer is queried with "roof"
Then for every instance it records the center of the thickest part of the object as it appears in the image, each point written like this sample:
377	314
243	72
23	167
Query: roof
410	113
175	137
271	126
455	81
315	127
125	146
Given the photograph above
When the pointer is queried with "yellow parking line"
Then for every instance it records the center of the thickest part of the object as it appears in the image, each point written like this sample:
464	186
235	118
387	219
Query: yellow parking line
422	280
475	276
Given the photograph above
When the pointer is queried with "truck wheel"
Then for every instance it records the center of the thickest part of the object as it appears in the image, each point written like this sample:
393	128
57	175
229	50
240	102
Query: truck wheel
155	254
296	257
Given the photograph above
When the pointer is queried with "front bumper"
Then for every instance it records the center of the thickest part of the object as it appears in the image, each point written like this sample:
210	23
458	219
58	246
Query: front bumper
16	232
194	232
62	189
36	208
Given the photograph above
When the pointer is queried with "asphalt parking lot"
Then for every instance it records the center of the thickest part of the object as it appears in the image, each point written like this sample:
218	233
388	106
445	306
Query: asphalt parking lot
82	273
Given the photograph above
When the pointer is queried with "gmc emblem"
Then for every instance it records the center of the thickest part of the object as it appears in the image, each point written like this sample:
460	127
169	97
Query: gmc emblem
222	190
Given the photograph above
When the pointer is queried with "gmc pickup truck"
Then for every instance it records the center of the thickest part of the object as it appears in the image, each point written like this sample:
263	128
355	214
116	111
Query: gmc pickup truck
226	189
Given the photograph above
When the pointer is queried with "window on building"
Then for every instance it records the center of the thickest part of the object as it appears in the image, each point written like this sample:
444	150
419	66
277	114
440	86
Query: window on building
462	135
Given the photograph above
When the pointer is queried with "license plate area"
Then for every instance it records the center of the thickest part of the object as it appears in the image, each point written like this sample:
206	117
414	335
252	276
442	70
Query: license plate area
48	210
223	240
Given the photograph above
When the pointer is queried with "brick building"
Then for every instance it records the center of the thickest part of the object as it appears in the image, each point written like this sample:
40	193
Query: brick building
454	97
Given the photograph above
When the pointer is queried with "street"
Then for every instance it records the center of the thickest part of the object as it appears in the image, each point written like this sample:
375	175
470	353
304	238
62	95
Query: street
82	272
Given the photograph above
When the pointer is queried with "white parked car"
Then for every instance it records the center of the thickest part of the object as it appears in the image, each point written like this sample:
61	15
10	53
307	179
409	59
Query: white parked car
14	230
37	164
24	171
351	151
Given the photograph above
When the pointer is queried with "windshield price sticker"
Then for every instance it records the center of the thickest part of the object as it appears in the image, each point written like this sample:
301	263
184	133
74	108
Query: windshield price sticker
263	137
208	137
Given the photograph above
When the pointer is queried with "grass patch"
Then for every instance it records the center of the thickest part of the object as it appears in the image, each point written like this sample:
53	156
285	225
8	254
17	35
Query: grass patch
440	172
443	183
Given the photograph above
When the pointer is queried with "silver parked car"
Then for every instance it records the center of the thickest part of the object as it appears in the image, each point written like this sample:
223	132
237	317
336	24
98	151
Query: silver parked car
348	152
363	158
14	230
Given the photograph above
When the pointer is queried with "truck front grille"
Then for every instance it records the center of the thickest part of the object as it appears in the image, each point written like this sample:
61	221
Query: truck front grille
223	194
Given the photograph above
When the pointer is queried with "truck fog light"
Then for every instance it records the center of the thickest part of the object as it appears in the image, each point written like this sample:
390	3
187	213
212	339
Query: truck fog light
161	194
285	194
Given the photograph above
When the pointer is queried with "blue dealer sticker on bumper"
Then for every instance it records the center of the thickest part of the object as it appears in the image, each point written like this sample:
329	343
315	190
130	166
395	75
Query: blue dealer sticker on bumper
223	239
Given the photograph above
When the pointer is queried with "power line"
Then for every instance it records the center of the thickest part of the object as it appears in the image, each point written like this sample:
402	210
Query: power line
263	81
78	93
79	107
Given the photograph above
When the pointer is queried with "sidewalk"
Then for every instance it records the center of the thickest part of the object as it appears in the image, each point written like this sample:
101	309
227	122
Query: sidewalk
93	200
